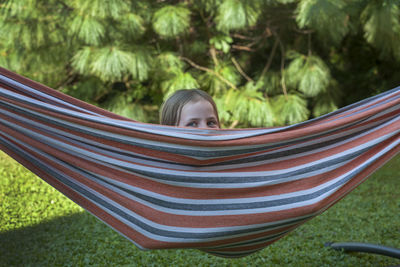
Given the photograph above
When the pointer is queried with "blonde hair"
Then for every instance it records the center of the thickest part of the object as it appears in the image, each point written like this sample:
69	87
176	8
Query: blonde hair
171	109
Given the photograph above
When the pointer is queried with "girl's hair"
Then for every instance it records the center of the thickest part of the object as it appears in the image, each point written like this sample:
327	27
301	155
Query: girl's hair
171	109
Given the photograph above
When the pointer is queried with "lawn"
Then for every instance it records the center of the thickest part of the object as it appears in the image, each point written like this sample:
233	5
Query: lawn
41	227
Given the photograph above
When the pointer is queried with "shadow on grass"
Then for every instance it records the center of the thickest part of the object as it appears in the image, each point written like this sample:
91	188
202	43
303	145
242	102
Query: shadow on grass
80	239
72	238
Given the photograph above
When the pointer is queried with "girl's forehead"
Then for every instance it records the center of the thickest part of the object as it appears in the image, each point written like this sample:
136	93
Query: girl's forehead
198	103
198	106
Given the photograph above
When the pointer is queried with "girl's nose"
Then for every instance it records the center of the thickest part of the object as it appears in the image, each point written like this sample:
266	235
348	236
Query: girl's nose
203	124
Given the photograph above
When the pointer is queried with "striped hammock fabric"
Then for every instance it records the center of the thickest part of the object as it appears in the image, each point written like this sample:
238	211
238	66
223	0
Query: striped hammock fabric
229	192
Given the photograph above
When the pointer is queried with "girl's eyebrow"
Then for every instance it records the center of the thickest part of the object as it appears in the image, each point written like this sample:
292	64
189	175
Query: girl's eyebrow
214	118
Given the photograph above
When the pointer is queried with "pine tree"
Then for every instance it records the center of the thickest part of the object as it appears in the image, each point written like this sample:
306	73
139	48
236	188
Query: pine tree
266	62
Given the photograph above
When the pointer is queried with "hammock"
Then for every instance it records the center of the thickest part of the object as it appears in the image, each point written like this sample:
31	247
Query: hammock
229	192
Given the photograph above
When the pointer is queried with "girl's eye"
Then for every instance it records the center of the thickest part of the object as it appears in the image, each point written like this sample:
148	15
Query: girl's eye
191	124
212	123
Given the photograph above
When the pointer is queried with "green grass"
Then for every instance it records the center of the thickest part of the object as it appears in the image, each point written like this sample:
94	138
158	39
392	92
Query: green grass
41	227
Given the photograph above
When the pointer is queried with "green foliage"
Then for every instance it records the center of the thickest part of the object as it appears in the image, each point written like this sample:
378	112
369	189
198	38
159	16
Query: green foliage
169	62
324	105
327	101
269	57
41	227
220	80
140	62
179	80
247	102
309	74
325	16
292	108
236	14
382	26
134	25
221	42
101	8
171	21
110	63
88	29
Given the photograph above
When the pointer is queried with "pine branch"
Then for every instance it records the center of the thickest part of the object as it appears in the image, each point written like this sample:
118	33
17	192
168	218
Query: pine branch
208	70
282	65
245	48
240	70
271	56
233	124
255	40
243	37
214	55
212	48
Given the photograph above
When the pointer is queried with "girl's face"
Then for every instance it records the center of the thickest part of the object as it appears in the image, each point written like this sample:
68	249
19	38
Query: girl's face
198	114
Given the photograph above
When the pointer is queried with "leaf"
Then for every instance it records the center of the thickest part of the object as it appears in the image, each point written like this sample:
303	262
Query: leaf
171	21
327	101
210	6
110	63
316	77
327	17
236	14
294	72
87	29
382	26
22	9
181	80
134	24
82	59
323	106
221	42
214	84
29	36
271	83
168	62
140	63
101	8
290	109
309	74
245	107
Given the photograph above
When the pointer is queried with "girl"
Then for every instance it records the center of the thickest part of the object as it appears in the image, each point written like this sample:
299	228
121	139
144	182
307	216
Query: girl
190	108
